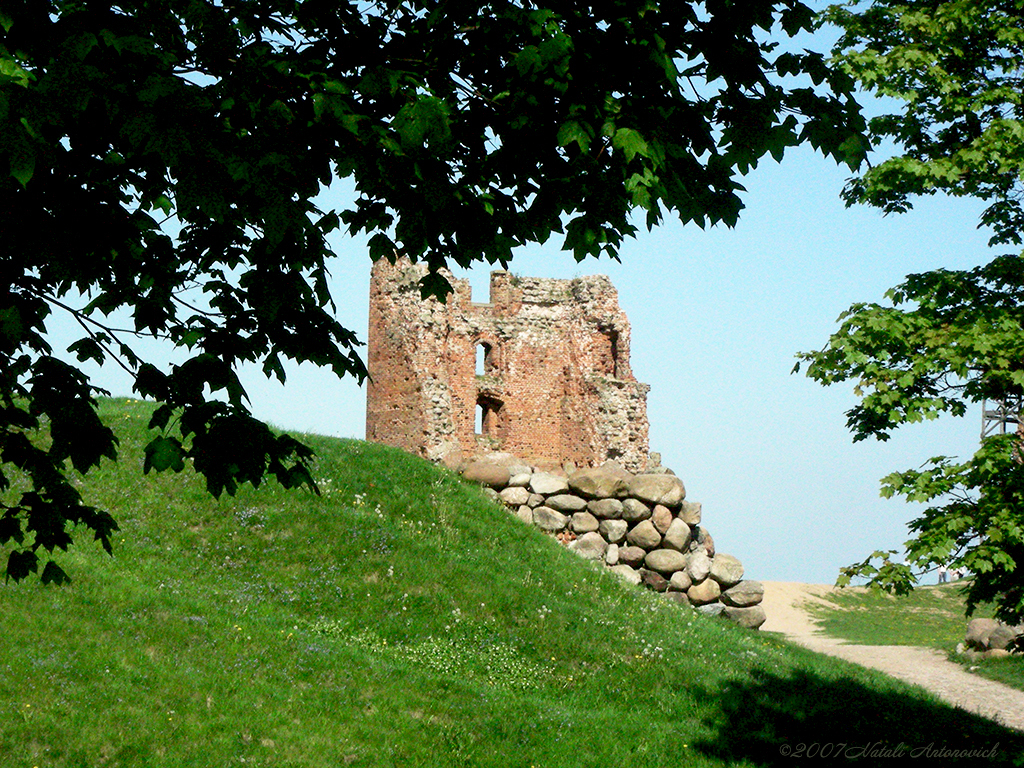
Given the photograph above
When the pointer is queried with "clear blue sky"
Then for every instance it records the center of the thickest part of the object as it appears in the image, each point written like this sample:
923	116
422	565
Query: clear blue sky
717	318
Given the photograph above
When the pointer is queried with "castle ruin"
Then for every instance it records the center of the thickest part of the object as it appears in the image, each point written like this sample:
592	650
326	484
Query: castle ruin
540	371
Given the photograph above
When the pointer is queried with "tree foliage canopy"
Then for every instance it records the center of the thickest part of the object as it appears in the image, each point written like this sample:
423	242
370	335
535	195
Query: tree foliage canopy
160	160
945	339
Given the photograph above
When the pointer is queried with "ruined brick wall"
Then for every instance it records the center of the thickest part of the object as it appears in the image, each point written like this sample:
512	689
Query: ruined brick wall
555	384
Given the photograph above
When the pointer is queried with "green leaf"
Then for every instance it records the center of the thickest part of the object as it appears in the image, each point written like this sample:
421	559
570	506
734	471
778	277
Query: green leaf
163	453
630	143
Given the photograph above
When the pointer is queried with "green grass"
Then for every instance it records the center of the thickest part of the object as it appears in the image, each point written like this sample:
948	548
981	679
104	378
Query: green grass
929	616
400	619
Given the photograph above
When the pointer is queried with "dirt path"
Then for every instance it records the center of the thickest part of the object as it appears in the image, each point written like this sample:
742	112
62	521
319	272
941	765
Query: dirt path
784	604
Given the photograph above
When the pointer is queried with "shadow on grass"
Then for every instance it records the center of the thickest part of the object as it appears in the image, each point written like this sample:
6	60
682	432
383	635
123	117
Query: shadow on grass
806	718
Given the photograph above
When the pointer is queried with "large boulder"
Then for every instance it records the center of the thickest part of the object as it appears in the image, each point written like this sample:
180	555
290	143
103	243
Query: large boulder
606	509
698	565
645	535
583	522
657	489
680	582
614	531
989	635
751	618
744	594
591	546
653	580
547	484
566	502
689	512
978	631
486	473
611	555
703	539
679	598
609	481
632	556
634	510
1002	637
726	570
515	496
677	536
626	573
548	519
519	479
706	591
665	560
661	516
711	609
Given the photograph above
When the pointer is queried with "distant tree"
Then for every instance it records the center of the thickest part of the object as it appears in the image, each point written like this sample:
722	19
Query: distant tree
945	339
160	160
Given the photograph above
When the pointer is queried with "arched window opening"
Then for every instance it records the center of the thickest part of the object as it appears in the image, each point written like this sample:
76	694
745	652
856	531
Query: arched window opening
484	359
488	415
606	353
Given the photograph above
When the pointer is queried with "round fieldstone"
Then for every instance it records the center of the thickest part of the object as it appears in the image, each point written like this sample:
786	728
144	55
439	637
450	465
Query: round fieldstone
703	539
565	502
634	510
605	509
611	555
519	480
525	514
657	489
645	535
689	512
706	591
751	618
608	481
614	531
677	536
1001	638
547	484
744	594
679	598
515	496
726	570
653	580
487	473
548	519
978	631
632	556
535	500
680	582
711	609
698	565
661	516
583	522
626	573
590	546
665	560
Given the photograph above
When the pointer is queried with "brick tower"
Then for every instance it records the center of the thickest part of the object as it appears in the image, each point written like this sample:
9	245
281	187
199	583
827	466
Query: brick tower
541	371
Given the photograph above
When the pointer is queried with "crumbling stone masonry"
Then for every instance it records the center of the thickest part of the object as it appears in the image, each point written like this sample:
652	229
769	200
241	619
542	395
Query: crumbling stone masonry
541	371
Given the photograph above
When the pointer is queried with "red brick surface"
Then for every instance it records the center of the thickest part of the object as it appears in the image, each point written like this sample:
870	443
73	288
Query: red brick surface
556	385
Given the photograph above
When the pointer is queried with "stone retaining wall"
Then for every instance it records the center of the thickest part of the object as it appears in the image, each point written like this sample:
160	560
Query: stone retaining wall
639	526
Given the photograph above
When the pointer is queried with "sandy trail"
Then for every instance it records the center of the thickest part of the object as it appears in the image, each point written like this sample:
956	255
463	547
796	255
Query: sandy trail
785	603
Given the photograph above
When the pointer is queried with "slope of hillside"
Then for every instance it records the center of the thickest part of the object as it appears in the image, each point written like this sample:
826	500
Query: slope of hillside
400	618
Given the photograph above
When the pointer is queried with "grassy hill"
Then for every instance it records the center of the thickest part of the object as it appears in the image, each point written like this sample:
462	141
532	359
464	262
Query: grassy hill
400	619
